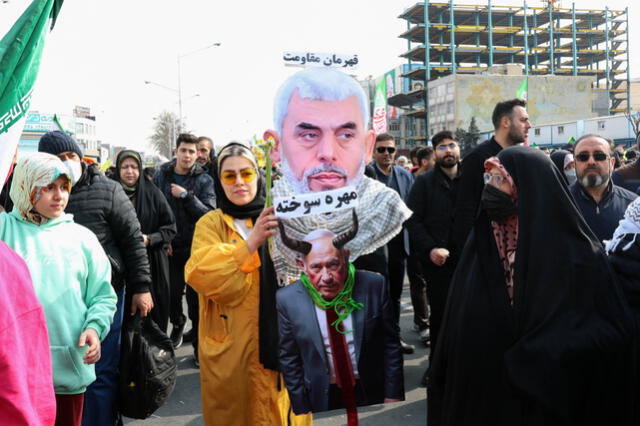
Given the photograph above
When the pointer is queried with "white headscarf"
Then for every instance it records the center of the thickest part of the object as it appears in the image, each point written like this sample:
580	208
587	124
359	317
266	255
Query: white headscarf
630	224
34	172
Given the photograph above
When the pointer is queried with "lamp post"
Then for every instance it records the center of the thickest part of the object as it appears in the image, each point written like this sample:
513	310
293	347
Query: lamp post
179	73
179	89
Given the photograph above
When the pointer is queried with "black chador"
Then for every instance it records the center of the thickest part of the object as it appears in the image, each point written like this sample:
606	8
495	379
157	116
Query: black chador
561	352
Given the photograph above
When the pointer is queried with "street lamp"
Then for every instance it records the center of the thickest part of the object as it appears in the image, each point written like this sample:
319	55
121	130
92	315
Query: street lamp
179	72
179	89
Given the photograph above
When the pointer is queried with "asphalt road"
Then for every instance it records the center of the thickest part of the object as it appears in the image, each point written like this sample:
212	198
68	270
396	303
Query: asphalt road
184	406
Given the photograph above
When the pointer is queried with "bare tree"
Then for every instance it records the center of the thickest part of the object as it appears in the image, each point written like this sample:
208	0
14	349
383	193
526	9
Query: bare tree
634	120
166	129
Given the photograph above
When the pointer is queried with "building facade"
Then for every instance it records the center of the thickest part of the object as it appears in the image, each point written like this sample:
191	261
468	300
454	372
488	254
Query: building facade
446	39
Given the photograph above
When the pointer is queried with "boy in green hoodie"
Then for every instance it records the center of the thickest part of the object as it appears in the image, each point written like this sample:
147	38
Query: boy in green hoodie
70	273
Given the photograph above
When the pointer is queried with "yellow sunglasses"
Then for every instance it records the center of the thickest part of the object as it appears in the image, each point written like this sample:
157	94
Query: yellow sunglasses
229	177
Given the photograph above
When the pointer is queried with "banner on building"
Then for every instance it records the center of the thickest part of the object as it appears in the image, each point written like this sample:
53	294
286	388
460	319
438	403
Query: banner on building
390	77
523	89
20	54
314	59
380	107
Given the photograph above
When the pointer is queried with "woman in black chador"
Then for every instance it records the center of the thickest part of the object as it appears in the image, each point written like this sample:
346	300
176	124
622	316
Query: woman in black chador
536	331
157	224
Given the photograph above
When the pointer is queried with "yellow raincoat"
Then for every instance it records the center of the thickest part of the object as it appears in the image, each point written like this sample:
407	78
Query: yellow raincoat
236	389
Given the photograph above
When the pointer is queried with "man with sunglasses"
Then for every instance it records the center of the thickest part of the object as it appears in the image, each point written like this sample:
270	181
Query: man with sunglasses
400	180
601	202
190	193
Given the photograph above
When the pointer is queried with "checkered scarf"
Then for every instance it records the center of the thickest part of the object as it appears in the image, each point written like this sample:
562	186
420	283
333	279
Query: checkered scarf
629	225
381	213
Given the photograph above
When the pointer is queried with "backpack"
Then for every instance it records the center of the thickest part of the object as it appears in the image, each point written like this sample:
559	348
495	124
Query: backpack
147	368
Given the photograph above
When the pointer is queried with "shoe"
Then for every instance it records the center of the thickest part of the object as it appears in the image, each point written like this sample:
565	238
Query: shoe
407	348
176	336
196	362
425	335
189	336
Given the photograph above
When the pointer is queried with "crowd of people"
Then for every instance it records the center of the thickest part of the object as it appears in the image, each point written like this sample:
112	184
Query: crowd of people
523	268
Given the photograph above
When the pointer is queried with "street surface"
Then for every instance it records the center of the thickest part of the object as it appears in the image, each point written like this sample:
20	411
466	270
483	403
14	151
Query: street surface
184	406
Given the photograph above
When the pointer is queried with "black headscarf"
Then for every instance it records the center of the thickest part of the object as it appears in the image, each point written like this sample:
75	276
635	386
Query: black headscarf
558	160
268	317
158	223
562	354
152	208
122	155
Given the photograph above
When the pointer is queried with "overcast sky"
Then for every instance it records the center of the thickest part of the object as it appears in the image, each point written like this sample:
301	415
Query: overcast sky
101	52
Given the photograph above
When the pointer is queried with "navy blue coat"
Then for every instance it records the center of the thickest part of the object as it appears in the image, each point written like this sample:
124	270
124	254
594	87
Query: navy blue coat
603	217
187	211
303	360
400	181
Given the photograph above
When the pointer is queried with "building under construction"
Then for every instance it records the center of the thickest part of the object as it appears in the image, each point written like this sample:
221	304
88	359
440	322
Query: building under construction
446	38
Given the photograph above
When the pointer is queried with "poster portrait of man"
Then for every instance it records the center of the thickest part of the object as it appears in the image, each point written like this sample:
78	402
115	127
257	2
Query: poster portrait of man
339	347
323	142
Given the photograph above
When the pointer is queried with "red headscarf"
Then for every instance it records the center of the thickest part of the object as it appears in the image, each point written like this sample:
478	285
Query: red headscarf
505	232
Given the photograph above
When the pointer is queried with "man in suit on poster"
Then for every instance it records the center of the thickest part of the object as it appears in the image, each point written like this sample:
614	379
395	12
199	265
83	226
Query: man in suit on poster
328	357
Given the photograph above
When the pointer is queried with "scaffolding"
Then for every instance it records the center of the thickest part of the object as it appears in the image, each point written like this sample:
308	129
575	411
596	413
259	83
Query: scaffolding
445	38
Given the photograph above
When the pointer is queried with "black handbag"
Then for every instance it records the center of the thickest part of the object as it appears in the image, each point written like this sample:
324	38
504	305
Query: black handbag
147	368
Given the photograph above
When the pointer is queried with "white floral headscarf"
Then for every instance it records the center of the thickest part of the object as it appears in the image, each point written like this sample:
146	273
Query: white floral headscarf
32	174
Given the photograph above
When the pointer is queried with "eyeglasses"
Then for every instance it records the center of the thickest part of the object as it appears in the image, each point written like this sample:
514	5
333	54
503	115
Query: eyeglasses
229	177
583	157
443	147
498	179
389	149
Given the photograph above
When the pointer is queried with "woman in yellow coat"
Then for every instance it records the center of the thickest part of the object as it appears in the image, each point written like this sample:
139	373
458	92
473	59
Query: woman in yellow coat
230	269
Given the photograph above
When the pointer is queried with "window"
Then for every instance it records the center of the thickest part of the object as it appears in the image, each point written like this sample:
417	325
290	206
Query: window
536	132
450	108
561	130
449	88
601	124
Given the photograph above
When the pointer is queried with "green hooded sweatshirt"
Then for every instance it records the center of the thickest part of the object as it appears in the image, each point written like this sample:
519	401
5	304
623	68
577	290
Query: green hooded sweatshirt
71	276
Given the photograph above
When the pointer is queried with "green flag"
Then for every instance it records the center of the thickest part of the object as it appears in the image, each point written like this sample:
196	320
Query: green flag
572	139
20	53
523	89
56	120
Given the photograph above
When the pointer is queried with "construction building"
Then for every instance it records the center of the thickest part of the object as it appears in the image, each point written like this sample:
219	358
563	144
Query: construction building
446	39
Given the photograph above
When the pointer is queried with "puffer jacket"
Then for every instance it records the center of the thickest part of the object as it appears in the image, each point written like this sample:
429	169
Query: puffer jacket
101	205
187	211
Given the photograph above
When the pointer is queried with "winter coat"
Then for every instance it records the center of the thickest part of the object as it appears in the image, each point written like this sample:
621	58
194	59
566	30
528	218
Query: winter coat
432	200
226	277
71	276
101	205
187	210
26	395
628	176
400	180
471	185
603	217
